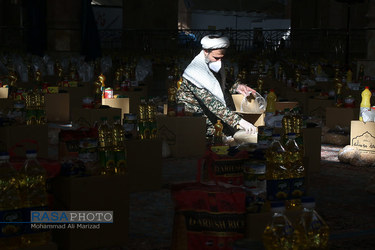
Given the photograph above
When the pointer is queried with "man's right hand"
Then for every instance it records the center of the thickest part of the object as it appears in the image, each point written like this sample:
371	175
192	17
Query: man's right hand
248	127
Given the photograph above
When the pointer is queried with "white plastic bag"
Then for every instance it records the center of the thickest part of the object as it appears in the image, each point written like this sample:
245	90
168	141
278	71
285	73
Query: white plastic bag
253	104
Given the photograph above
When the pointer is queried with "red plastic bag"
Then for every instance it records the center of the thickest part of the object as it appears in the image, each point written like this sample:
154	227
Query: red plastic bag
207	215
223	168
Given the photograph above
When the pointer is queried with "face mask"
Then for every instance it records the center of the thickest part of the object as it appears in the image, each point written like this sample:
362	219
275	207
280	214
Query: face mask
215	66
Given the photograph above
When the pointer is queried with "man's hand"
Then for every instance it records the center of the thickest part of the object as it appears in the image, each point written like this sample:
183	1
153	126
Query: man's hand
245	90
248	127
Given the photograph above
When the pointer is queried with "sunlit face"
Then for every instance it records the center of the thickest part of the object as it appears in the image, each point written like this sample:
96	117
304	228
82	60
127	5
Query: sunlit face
214	55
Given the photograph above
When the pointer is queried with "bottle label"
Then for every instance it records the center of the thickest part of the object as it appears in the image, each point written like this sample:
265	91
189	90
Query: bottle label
11	229
297	187
278	189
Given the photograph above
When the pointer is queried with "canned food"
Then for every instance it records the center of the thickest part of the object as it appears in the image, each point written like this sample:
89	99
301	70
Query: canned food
108	93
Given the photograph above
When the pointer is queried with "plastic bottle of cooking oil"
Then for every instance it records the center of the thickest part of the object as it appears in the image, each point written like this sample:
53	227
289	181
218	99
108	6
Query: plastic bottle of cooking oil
280	234
143	128
297	125
151	120
106	156
33	186
271	102
286	123
31	108
10	205
277	174
313	229
294	163
118	134
365	103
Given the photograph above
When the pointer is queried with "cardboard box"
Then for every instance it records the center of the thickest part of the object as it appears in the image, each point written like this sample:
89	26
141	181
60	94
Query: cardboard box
134	98
185	135
88	117
76	94
340	116
144	164
317	107
312	148
6	104
19	139
94	193
256	118
300	97
362	136
285	105
57	107
121	103
4	92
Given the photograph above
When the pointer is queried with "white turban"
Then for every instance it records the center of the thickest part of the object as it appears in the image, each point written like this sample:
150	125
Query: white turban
215	42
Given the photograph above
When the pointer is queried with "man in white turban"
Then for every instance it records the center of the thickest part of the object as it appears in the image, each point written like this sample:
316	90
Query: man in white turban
204	88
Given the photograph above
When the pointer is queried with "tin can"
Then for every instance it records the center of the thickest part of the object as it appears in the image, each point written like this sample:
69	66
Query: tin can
108	93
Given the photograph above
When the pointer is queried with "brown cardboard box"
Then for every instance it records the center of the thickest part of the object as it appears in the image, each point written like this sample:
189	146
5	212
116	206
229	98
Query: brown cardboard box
4	92
185	135
121	103
144	164
317	107
312	148
362	136
27	137
57	107
285	105
94	193
134	98
76	94
340	116
6	104
300	97
88	117
257	119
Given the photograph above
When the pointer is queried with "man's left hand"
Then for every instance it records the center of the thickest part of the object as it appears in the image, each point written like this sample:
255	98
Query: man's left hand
245	90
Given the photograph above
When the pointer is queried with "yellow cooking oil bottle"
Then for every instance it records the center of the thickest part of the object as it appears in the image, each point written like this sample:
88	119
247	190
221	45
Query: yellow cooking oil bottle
118	137
10	205
280	233
277	174
366	102
313	229
286	124
106	156
294	163
33	189
271	102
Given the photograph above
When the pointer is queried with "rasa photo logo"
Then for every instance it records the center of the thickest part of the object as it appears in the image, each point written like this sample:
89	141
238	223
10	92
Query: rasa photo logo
69	219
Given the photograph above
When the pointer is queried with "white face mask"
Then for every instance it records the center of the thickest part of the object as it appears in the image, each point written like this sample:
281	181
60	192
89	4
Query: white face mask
215	66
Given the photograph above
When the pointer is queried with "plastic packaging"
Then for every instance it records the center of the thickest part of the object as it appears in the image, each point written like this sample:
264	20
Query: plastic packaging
10	203
313	229
280	233
251	103
365	103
